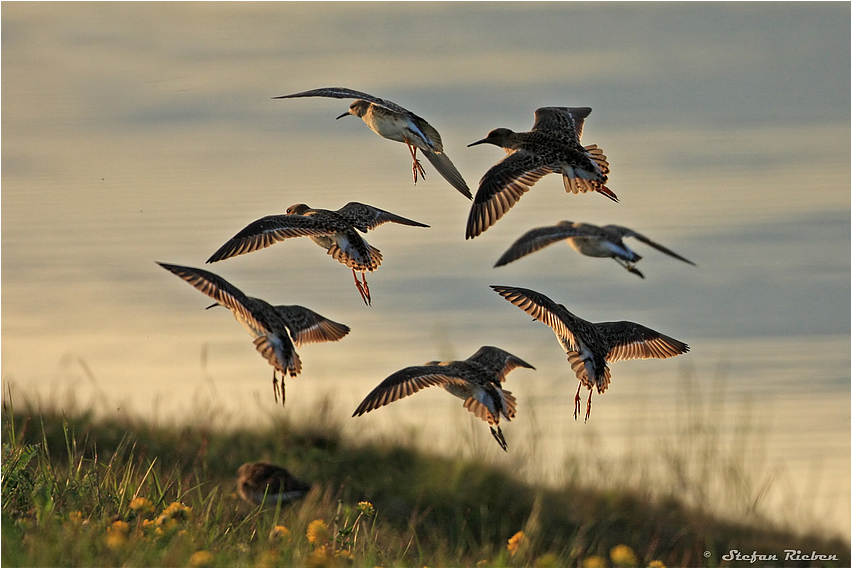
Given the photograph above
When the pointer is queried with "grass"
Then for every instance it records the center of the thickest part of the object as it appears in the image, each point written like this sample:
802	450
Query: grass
115	491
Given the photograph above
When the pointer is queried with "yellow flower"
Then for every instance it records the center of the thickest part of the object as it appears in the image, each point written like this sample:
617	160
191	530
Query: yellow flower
366	508
120	526
547	560
201	558
656	563
594	561
279	532
319	557
177	511
116	535
141	505
623	556
317	532
515	542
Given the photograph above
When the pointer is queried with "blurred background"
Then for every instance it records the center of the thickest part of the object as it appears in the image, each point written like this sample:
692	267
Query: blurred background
137	132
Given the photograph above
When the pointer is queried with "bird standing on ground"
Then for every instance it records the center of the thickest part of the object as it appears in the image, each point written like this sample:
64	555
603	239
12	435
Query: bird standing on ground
391	121
477	380
272	327
591	345
334	231
551	147
585	238
259	482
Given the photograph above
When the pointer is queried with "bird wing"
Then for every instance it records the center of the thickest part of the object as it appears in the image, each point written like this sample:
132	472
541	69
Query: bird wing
406	382
267	231
568	120
502	186
631	341
541	237
545	310
365	217
307	327
498	361
447	169
626	232
222	292
346	93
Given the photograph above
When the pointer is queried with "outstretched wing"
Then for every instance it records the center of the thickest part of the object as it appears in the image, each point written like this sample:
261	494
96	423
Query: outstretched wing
545	310
406	382
502	186
627	232
365	217
448	170
540	237
221	291
346	93
631	341
267	231
567	120
307	327
500	362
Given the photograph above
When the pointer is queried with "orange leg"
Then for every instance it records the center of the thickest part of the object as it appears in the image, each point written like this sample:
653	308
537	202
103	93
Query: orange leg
588	407
577	402
275	388
416	167
364	289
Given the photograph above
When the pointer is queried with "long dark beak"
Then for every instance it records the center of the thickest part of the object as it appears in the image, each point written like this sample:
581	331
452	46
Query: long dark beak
213	305
347	113
484	140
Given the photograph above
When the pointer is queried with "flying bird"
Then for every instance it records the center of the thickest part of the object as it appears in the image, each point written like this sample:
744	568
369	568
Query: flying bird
585	238
391	121
551	147
259	482
276	330
477	380
592	345
334	231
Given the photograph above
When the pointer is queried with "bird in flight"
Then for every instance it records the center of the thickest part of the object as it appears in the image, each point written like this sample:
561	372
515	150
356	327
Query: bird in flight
391	121
588	239
551	147
334	231
276	330
591	346
477	380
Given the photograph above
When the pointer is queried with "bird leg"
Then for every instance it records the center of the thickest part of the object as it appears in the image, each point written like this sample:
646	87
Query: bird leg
631	267
577	401
588	407
498	436
275	389
364	288
417	167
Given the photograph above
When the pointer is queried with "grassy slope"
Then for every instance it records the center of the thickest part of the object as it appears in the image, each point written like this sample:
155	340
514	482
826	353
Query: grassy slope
67	480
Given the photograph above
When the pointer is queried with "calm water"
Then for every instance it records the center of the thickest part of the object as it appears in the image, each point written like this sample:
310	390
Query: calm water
134	133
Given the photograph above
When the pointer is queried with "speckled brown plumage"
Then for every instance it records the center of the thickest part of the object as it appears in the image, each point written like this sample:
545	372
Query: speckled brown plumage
476	380
263	482
391	121
334	231
591	345
551	146
276	330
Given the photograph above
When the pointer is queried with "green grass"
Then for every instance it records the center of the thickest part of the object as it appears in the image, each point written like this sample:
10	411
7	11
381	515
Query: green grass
69	483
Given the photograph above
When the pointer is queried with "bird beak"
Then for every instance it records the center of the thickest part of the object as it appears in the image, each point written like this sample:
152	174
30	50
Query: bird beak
484	140
343	115
212	305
